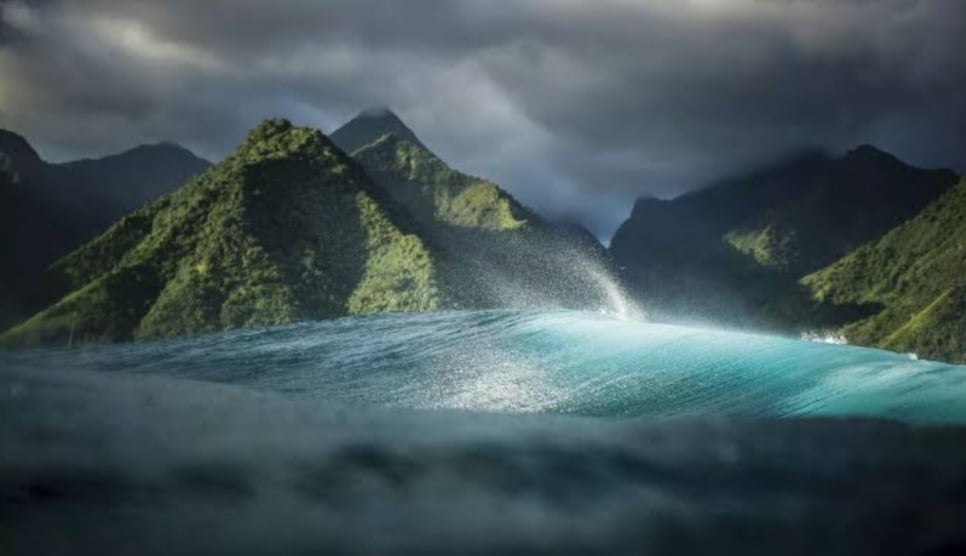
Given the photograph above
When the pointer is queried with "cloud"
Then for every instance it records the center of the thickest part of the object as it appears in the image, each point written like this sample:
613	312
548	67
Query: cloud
575	107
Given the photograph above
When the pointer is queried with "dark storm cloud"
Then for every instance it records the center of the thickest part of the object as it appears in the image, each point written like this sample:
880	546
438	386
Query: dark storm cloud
576	107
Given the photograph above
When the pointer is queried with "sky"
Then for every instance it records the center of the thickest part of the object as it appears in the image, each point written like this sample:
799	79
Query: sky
575	107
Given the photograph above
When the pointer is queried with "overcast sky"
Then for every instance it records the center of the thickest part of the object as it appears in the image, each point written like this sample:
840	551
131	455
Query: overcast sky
576	107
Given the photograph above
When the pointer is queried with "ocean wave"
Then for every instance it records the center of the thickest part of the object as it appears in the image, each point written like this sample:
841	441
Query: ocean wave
545	362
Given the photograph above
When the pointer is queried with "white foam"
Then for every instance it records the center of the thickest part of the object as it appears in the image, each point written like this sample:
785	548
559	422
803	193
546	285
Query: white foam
824	337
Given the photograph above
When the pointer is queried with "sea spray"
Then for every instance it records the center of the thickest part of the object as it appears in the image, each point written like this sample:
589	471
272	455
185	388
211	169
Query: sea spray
544	361
824	337
618	304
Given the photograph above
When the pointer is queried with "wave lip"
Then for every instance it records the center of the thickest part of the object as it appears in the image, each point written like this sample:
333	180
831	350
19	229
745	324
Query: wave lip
545	362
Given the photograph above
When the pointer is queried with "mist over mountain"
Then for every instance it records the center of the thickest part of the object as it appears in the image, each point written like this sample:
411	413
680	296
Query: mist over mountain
795	216
735	253
575	108
669	277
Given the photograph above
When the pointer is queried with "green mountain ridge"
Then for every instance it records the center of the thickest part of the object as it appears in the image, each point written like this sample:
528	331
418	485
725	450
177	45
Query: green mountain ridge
290	228
50	209
286	228
496	252
914	278
434	192
734	252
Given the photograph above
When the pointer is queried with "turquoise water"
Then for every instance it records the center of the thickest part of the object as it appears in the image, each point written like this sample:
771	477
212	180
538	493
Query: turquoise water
481	433
546	362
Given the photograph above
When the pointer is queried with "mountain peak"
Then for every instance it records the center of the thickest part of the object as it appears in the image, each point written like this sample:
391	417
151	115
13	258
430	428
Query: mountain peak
127	167
17	148
286	228
278	137
868	152
167	148
370	126
168	145
268	128
377	112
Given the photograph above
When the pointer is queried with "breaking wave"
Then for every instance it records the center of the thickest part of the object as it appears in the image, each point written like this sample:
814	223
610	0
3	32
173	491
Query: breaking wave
547	362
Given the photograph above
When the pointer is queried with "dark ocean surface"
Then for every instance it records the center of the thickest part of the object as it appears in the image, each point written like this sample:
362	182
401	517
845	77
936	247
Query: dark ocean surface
481	432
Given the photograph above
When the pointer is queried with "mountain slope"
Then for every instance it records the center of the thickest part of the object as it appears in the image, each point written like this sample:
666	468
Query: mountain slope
133	177
369	126
736	251
286	228
497	253
50	209
435	193
914	277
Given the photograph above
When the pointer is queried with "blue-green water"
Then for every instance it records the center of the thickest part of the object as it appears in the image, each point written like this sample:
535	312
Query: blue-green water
585	435
546	362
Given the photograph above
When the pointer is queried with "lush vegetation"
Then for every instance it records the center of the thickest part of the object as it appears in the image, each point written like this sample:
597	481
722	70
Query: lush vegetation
735	252
436	193
286	228
914	281
772	245
493	251
50	209
289	228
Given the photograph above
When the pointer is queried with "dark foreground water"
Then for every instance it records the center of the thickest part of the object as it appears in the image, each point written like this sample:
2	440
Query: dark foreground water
351	436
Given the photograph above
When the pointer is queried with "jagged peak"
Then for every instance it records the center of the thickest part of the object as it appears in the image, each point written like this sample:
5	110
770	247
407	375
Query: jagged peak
377	112
278	137
371	125
16	147
269	128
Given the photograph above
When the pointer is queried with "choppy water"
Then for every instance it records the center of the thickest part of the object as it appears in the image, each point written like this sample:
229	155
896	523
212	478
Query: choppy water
351	436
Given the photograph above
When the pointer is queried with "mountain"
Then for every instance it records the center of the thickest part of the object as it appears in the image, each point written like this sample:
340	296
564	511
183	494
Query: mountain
50	209
913	280
369	126
131	178
433	192
16	154
734	252
496	252
286	228
291	228
437	194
